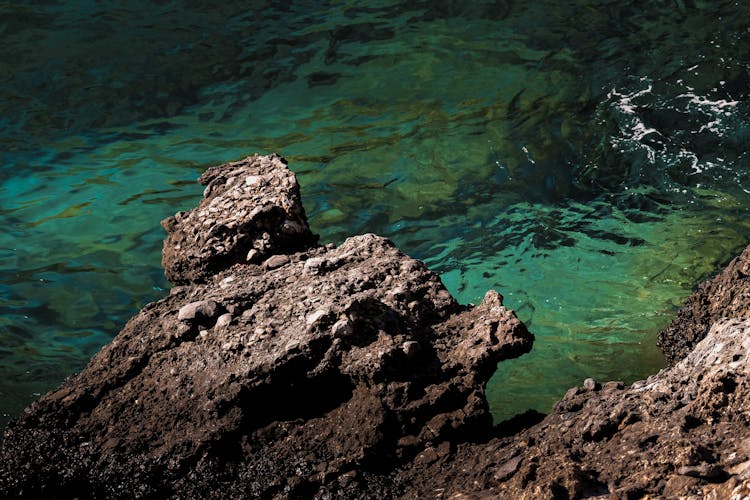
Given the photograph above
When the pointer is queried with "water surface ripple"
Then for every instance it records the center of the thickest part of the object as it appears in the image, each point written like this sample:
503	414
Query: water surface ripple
585	158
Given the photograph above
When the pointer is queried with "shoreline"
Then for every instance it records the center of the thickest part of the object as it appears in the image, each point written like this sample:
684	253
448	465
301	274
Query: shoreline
277	367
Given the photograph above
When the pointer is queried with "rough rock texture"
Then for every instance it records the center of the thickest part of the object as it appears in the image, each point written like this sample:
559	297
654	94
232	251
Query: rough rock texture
683	433
311	372
350	372
250	210
725	296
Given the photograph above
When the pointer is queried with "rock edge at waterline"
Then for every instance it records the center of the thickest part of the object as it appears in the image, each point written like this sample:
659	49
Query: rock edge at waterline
279	368
274	367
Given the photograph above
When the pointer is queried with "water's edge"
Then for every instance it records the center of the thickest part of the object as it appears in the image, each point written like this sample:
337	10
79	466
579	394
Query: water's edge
588	159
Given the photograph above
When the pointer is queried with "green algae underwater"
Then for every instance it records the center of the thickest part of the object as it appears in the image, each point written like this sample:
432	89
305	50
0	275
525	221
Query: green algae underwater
587	159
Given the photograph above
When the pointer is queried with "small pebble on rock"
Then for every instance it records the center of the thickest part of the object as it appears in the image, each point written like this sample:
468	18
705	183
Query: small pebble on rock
252	255
411	348
314	317
223	320
202	309
342	328
276	261
313	266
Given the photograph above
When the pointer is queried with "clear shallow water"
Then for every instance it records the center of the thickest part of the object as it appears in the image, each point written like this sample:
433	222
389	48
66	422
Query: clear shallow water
586	159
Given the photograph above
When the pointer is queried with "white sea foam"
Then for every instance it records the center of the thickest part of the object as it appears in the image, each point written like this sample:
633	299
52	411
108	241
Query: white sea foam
711	116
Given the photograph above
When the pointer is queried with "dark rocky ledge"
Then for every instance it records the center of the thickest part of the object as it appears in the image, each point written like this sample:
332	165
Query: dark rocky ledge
279	368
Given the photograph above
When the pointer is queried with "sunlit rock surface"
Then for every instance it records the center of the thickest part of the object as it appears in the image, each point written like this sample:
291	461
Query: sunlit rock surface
250	210
727	295
279	368
276	367
683	433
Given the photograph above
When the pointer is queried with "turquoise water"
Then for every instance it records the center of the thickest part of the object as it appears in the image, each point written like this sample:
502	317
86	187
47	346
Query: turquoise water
587	159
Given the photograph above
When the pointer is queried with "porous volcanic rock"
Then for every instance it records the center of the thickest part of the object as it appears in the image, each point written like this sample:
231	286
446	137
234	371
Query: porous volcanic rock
250	211
727	295
317	371
305	371
682	433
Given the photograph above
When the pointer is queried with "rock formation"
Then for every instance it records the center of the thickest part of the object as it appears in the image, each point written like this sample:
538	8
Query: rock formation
683	433
250	210
725	296
279	368
275	367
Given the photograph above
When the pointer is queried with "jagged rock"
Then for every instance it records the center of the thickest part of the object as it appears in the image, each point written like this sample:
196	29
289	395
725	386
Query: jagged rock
683	433
727	295
319	374
251	209
351	372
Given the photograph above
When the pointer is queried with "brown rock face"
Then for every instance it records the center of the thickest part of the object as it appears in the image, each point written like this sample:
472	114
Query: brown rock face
725	296
351	372
683	433
250	210
319	371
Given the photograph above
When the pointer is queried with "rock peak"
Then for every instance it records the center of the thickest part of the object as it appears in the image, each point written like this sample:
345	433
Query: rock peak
301	370
251	210
281	369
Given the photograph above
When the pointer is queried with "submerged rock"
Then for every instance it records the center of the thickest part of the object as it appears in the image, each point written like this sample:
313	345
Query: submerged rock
322	370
